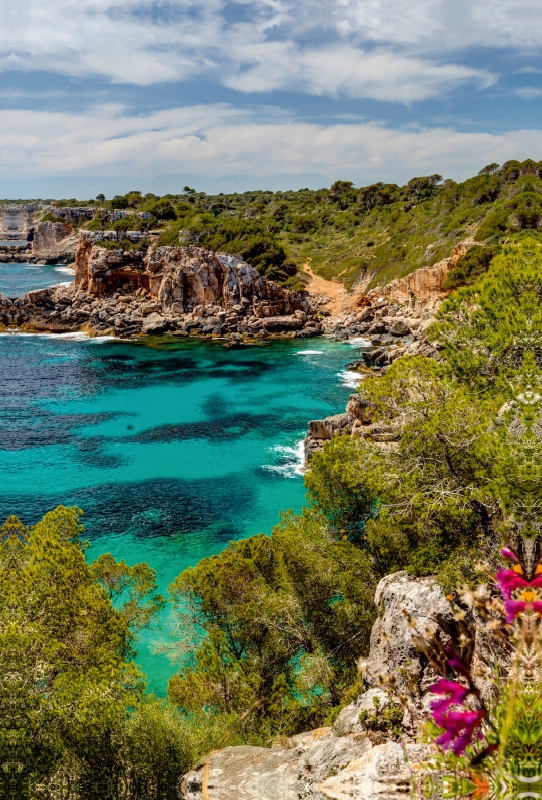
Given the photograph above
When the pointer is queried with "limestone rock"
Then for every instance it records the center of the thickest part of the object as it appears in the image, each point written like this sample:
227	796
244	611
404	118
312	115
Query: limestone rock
154	323
383	773
49	234
348	720
424	285
330	755
322	430
399	328
245	773
392	651
360	408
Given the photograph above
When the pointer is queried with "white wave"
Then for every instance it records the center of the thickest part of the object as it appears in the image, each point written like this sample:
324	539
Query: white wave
66	335
309	352
358	342
65	270
104	339
350	378
292	460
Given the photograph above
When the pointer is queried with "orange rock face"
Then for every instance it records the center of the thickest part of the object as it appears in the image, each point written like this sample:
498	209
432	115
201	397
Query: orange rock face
424	285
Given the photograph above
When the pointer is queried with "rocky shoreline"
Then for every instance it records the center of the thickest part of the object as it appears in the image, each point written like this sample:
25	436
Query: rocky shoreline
185	291
189	291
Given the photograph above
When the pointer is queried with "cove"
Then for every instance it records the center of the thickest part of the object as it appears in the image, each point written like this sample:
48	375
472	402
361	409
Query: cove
172	448
16	279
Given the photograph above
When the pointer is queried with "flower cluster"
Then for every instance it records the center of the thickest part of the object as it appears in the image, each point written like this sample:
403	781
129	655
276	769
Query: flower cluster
461	723
522	593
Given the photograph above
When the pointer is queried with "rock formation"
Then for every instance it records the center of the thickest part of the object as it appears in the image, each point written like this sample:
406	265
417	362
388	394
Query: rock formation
15	221
423	286
49	234
353	760
184	290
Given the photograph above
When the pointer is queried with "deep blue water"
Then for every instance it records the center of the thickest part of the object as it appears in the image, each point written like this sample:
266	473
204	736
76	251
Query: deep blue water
172	448
16	279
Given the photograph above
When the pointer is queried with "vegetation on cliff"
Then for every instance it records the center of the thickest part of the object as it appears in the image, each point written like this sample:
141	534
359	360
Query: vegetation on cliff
375	233
269	631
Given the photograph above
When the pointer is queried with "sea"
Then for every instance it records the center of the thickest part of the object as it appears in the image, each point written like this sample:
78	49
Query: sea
172	448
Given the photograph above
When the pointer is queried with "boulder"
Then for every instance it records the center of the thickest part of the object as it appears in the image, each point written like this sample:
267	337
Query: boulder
400	328
154	323
245	773
349	721
283	323
327	757
359	407
392	651
383	773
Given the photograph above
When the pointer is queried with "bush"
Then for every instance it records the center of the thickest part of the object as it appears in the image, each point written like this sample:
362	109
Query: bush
474	263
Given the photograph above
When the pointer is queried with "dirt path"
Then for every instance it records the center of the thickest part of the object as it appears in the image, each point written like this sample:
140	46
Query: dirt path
332	289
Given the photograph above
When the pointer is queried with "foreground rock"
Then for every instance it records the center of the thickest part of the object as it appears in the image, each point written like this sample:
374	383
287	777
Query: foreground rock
393	654
342	768
182	290
356	758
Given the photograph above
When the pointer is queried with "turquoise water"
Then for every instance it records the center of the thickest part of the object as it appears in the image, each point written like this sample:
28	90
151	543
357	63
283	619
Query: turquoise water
16	279
172	448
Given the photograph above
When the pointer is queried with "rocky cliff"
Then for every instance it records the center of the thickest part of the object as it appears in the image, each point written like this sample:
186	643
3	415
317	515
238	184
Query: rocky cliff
363	756
183	290
48	234
358	758
423	286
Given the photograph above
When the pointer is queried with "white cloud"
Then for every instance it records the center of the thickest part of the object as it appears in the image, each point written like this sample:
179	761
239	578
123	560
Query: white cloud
440	26
379	74
218	141
279	45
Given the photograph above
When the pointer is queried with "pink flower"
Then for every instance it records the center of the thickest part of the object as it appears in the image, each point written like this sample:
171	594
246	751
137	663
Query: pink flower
508	553
459	725
510	581
515	607
454	695
454	661
460	729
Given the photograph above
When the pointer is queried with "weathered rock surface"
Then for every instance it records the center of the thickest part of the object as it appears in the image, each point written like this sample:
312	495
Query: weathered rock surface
49	234
392	651
184	290
383	773
424	285
356	421
291	772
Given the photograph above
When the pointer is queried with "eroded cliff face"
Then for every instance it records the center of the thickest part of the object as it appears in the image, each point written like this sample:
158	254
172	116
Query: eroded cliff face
184	290
423	286
182	278
48	234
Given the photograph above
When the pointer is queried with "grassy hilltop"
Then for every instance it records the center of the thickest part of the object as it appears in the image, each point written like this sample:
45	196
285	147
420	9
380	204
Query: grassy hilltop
382	231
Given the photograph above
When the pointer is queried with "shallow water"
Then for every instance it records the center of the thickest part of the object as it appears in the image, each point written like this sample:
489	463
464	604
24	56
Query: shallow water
16	279
172	448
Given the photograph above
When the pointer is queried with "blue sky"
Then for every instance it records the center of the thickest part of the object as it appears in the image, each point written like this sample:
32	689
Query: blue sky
113	95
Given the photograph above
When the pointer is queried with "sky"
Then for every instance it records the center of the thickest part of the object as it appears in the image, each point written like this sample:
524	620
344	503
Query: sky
118	95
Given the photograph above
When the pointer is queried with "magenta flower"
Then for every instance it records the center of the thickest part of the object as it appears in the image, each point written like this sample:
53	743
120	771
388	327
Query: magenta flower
460	727
508	553
453	695
509	581
455	661
515	607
